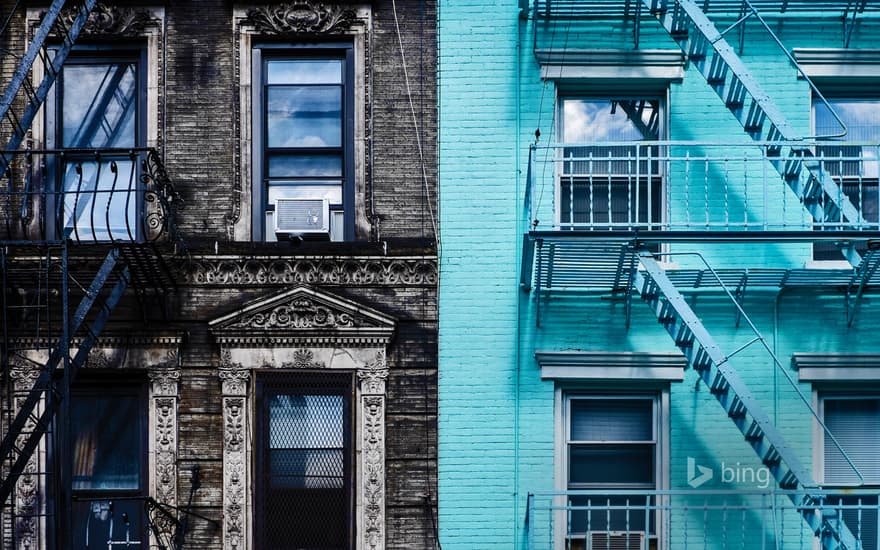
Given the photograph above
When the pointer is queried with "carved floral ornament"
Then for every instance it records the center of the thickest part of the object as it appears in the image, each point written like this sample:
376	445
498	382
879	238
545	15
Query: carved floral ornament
301	18
324	271
110	20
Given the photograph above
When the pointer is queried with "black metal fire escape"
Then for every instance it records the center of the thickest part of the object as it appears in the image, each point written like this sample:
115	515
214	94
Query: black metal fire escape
40	275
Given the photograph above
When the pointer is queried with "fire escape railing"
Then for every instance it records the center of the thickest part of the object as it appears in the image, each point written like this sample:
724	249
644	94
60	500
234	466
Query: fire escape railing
87	196
693	186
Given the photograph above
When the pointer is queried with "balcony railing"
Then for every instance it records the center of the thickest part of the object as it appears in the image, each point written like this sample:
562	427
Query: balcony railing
693	186
732	519
86	195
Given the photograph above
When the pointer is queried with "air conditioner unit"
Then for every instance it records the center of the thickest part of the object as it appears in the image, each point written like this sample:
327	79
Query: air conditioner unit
302	218
616	540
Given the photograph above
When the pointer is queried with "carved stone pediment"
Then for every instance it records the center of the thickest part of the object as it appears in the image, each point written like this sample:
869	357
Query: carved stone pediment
303	315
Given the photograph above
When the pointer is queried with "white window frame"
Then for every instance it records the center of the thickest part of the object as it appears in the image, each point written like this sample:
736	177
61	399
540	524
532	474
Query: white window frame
661	429
859	93
610	91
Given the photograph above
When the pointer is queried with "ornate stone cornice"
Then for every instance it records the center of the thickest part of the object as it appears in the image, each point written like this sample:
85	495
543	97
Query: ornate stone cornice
373	375
339	271
301	17
110	20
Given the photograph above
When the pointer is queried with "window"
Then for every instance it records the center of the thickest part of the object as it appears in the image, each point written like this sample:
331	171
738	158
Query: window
610	185
304	461
611	443
854	420
303	133
107	466
98	104
854	167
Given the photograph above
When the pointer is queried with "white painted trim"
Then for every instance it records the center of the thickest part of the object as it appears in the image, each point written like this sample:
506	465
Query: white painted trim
838	62
599	365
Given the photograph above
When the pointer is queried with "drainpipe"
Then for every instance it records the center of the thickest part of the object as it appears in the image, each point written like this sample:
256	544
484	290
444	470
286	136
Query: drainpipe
519	230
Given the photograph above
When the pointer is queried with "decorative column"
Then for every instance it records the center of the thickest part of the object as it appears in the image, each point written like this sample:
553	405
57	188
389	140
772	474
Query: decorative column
163	414
234	379
28	490
372	378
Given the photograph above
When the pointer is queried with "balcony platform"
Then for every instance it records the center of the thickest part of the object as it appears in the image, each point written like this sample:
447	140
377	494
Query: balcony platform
601	261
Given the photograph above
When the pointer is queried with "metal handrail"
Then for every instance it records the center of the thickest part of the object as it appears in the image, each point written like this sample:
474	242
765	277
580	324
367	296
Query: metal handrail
760	338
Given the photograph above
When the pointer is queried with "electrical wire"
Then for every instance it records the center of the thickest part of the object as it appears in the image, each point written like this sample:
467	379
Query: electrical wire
415	120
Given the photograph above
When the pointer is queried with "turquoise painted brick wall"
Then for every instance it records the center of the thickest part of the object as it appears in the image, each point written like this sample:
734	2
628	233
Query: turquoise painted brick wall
496	414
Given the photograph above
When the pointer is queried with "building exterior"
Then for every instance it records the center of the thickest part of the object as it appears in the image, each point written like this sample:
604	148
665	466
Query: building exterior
607	165
219	275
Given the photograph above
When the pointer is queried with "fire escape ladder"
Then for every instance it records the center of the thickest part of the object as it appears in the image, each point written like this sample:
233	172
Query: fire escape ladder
34	416
20	84
724	382
758	114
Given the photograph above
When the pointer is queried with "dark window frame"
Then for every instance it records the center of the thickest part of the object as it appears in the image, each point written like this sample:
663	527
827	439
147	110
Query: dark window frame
101	384
263	52
90	54
302	382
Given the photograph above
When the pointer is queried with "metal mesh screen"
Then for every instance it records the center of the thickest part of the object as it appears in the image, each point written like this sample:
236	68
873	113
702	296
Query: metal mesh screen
304	462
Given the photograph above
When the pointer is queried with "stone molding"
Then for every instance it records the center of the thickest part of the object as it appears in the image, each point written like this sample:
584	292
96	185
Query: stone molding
112	21
338	271
295	20
301	317
245	347
27	525
303	17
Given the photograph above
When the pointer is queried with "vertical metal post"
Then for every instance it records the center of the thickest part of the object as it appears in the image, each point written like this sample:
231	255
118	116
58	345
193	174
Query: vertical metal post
539	244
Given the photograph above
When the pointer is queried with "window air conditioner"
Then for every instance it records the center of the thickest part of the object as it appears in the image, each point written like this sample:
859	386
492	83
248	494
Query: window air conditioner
302	218
616	540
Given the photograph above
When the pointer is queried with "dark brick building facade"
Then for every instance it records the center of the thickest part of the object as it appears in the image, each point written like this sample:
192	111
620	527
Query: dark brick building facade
263	381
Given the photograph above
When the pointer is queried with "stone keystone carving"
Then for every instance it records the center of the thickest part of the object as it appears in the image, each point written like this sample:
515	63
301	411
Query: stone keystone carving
301	18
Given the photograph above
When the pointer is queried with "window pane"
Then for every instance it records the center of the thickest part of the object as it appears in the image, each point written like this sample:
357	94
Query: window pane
304	116
304	166
107	442
92	521
101	203
98	104
590	120
612	420
855	424
305	421
305	71
310	190
611	464
306	504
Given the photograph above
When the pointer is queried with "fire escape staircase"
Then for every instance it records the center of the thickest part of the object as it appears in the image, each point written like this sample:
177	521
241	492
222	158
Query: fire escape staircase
705	356
126	264
760	117
36	412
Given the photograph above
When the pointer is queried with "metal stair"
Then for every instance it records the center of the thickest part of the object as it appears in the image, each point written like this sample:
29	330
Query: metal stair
34	416
758	114
711	363
18	124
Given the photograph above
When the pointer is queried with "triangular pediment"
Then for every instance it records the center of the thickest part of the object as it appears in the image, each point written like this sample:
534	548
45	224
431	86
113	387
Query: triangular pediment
302	313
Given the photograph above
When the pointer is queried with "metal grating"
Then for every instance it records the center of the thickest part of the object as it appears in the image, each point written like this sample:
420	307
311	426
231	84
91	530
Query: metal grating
566	265
304	496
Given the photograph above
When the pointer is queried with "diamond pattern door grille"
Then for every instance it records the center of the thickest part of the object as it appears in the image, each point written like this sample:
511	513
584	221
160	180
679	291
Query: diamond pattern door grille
304	462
